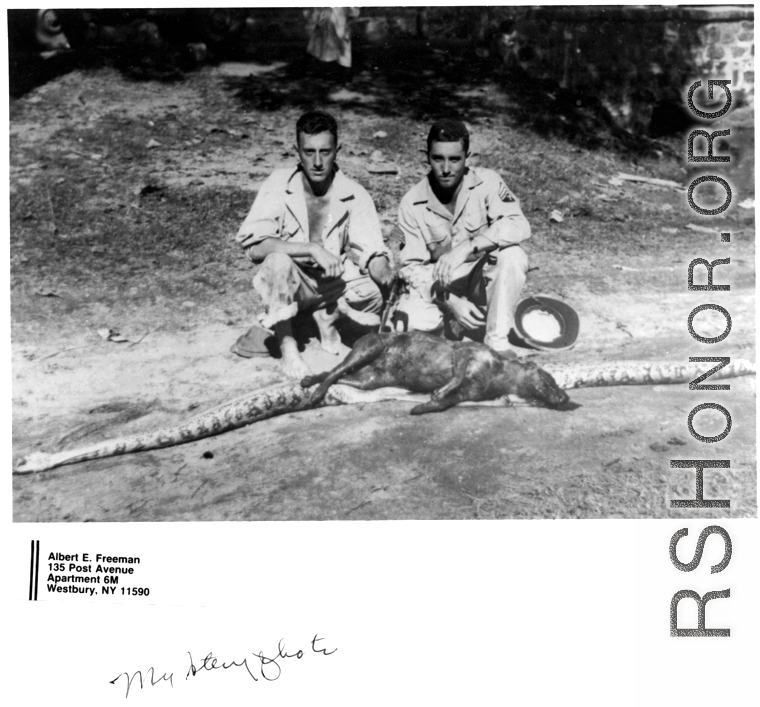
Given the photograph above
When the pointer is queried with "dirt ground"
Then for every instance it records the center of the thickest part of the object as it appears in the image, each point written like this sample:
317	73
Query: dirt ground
124	201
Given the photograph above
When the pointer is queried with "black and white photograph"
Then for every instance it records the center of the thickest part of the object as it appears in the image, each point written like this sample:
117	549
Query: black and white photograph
382	263
411	265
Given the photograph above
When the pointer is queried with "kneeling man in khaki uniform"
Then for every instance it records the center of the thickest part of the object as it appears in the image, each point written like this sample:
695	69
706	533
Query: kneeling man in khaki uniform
317	236
461	261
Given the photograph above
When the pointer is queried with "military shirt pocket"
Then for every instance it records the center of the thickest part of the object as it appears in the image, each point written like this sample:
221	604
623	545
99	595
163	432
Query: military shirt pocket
437	229
290	226
476	221
338	242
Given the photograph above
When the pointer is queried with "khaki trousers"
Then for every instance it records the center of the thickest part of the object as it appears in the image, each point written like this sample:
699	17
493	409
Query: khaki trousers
493	283
286	288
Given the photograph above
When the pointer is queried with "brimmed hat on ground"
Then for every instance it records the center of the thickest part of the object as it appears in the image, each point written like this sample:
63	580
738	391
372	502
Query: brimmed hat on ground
257	341
546	323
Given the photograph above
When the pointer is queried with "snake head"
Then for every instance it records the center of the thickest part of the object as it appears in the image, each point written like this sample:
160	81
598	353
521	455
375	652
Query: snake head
36	461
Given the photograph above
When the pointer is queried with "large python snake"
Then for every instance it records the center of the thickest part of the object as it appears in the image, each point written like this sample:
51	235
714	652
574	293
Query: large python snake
286	398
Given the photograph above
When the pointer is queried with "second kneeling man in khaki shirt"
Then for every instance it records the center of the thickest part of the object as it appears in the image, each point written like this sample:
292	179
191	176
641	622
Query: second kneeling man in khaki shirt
462	262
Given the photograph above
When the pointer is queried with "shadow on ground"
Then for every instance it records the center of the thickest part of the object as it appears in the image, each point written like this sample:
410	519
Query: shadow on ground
424	83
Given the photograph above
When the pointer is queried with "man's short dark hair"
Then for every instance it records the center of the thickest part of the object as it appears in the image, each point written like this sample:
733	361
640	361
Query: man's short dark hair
316	122
448	130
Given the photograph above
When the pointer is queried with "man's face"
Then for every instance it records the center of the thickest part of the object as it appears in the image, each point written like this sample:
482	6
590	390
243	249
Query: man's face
447	164
317	154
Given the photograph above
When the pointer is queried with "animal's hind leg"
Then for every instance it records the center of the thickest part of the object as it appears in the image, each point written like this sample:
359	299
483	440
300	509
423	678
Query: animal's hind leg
461	361
309	381
434	405
357	357
366	351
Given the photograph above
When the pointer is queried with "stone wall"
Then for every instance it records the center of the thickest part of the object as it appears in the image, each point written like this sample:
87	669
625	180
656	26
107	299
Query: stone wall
632	58
635	59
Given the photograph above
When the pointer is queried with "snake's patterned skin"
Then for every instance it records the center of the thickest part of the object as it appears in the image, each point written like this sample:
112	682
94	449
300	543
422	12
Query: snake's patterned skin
280	400
642	373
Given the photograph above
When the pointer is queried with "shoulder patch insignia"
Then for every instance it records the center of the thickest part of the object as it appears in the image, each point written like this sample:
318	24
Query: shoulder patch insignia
505	194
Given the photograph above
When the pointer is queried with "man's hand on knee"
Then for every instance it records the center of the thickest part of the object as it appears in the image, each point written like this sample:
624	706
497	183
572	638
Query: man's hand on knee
465	312
330	264
449	262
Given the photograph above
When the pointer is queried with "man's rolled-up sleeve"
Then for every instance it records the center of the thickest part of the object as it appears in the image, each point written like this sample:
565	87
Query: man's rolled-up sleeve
508	223
365	237
264	220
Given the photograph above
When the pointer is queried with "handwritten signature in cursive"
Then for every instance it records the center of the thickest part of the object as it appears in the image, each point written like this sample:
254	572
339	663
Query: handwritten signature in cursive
258	666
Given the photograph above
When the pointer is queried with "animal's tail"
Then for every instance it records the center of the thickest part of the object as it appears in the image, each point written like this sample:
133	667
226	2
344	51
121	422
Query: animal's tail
642	373
236	413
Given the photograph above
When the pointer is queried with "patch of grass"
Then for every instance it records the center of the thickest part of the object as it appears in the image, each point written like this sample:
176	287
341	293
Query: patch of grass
108	245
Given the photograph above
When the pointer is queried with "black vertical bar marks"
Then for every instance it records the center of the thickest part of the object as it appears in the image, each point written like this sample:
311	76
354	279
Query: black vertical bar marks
34	570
